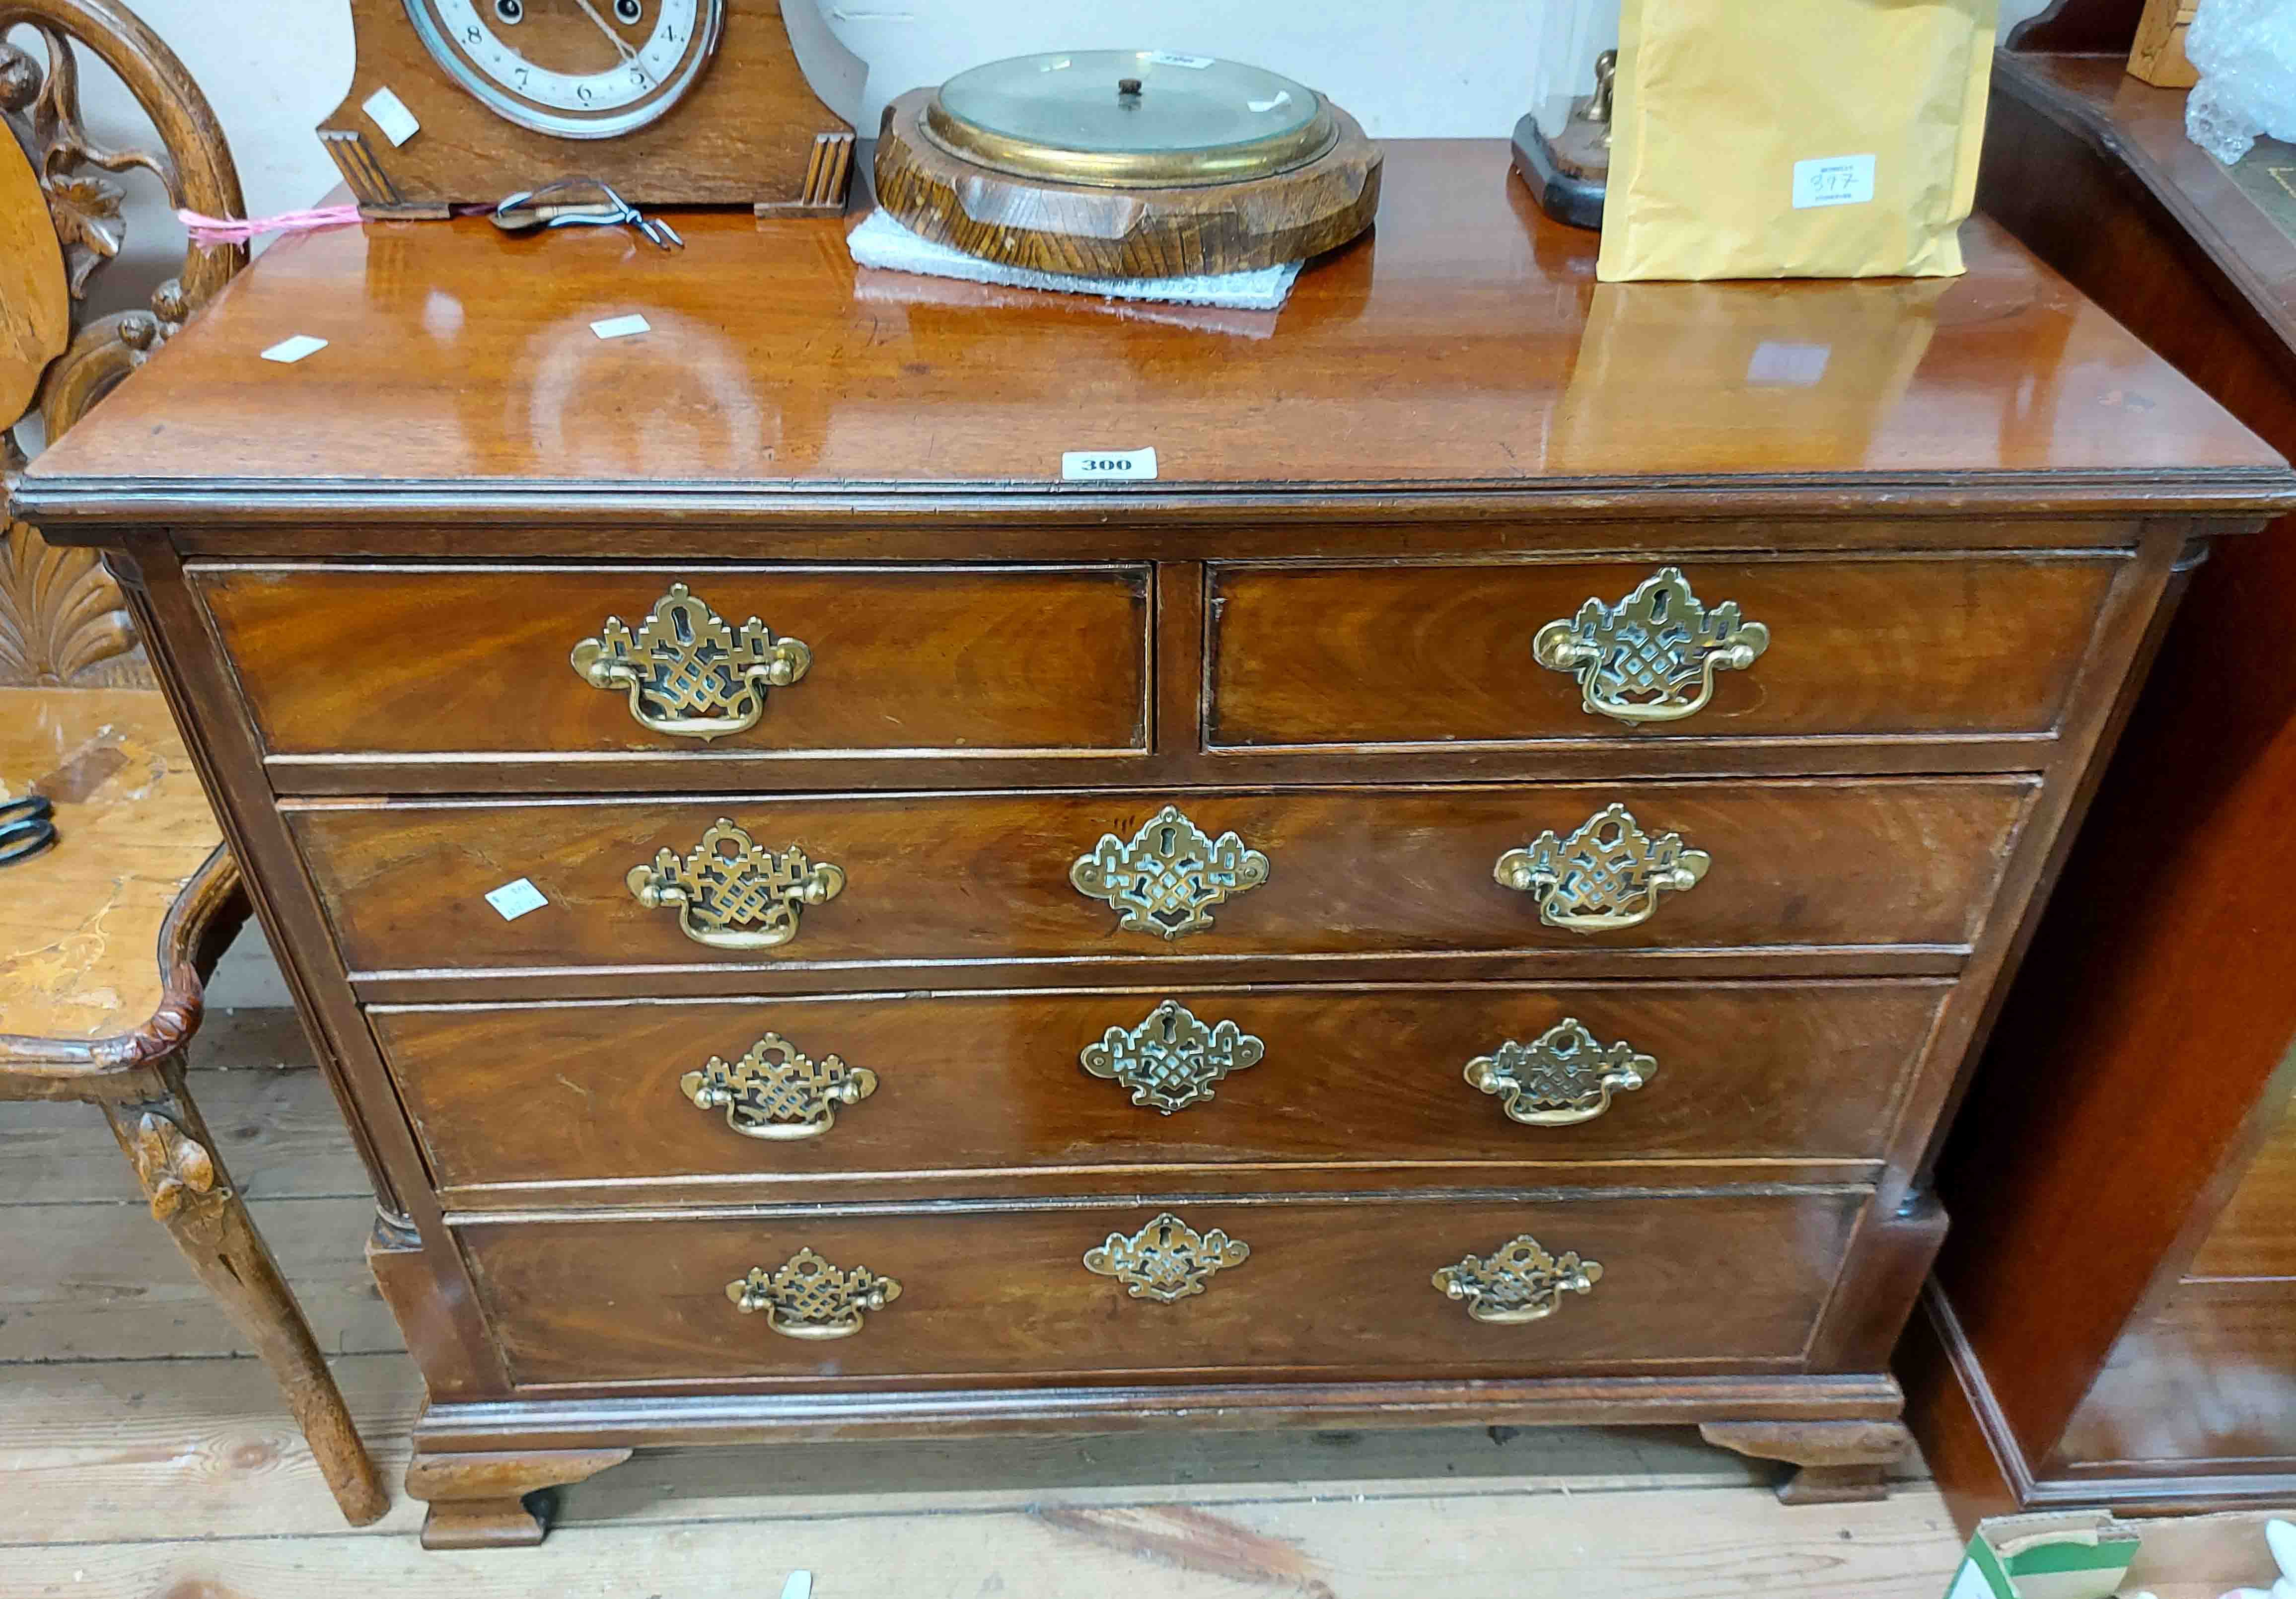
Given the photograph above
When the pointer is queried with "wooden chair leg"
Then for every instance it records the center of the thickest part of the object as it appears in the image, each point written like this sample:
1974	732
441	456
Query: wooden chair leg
191	1196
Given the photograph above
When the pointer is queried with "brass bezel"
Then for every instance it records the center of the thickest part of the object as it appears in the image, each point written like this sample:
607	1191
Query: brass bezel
1132	169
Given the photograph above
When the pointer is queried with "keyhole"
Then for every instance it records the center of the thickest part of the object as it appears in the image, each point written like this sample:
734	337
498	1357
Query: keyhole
510	11
627	10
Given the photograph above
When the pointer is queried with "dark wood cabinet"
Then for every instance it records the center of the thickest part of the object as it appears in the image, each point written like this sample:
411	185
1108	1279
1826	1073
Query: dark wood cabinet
2113	1318
1465	898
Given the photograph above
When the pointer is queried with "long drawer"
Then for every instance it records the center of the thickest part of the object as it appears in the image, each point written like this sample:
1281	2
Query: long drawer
462	661
947	878
1320	1287
1523	651
1431	1079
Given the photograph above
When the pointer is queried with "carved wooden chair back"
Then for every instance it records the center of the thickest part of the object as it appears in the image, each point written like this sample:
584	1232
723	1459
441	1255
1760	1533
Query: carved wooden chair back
62	622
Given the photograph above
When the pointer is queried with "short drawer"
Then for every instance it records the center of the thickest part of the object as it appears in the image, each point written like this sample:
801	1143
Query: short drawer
1518	652
1420	1080
1069	876
444	661
1319	1289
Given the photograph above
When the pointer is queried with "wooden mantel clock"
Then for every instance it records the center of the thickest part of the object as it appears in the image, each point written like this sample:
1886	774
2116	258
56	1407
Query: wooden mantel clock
670	102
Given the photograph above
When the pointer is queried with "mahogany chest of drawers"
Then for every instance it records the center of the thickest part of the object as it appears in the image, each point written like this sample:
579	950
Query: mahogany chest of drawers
1468	898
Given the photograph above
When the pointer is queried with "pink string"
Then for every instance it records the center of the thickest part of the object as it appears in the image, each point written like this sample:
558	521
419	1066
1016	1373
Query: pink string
239	230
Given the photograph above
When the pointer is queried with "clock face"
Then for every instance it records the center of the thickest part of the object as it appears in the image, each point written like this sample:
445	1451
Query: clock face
578	68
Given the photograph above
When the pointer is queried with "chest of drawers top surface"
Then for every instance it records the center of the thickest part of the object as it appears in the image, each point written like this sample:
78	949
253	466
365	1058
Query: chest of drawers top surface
1465	346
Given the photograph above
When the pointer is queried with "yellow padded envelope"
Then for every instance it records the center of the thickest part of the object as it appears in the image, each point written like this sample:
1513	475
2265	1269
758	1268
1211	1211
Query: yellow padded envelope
1795	138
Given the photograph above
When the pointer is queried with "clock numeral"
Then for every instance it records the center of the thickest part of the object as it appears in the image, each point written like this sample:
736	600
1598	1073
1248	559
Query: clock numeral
473	33
521	77
582	93
668	33
638	77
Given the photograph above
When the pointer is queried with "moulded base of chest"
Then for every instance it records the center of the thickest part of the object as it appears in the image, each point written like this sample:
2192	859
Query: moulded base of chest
481	1465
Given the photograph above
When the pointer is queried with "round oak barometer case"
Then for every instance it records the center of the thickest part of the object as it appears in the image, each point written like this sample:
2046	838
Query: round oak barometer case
575	68
1126	163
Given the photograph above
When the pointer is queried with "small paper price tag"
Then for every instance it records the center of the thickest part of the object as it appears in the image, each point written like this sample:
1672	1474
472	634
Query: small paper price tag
1165	58
514	900
388	112
1834	180
288	351
1107	466
621	327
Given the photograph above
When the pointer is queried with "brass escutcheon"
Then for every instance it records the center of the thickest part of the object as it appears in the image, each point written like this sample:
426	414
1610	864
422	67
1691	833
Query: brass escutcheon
1167	878
1167	1260
1171	1059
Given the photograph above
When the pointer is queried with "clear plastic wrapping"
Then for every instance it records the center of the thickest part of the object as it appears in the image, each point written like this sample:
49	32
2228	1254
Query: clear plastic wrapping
2246	53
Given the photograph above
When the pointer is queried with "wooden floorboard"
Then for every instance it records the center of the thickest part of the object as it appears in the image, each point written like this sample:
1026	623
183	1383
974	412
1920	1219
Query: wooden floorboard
104	1282
140	1460
1666	1543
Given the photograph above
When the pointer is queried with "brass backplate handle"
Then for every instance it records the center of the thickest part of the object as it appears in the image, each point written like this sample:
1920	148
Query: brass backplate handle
806	1297
1652	656
1169	876
730	893
1559	1079
1520	1282
1167	1260
689	673
775	1091
1607	874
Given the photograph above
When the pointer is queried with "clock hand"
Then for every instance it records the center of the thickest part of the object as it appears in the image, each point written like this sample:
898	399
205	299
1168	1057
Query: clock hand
606	27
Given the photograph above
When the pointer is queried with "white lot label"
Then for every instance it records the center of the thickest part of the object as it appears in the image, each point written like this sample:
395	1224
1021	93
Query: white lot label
621	327
1165	58
388	112
1834	180
514	900
1107	466
288	351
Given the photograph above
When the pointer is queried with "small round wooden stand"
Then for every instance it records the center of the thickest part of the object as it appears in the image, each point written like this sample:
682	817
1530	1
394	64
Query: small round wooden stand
1105	231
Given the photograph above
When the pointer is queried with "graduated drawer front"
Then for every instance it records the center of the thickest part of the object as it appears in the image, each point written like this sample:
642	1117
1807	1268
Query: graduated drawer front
986	878
1328	1288
978	1083
415	660
1437	654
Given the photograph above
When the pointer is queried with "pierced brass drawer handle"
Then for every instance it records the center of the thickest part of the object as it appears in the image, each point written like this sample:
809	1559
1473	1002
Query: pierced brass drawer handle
775	1091
806	1297
732	894
1606	876
1171	1059
1520	1282
1652	656
1559	1079
1167	880
688	672
1167	1260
